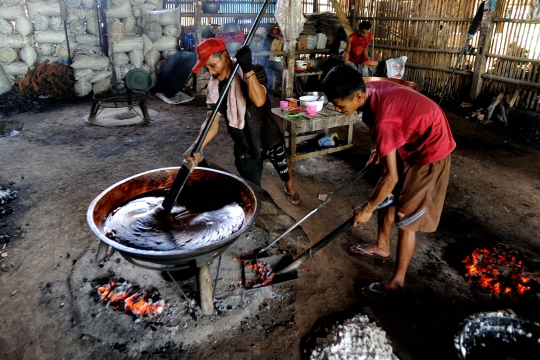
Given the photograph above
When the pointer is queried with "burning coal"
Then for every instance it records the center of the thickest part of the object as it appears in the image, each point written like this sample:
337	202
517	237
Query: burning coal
130	298
497	269
263	275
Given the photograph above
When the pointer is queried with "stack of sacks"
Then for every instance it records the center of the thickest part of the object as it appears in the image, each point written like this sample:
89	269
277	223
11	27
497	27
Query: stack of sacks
140	35
161	30
17	53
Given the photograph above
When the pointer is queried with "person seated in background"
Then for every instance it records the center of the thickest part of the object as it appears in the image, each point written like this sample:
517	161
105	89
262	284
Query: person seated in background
247	113
356	52
405	127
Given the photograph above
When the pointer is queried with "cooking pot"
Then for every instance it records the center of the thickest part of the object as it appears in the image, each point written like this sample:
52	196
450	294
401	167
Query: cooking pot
212	187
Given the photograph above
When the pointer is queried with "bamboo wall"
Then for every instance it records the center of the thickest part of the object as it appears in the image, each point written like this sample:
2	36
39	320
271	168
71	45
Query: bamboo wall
513	55
430	33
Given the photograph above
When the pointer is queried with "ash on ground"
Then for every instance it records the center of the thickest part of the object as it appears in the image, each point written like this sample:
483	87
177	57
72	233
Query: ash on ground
6	196
357	338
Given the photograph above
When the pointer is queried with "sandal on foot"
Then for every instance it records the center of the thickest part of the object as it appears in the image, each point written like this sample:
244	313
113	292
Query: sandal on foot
358	249
293	199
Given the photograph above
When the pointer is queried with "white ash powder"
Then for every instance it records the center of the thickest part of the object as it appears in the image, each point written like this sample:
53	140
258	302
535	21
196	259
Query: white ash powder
356	339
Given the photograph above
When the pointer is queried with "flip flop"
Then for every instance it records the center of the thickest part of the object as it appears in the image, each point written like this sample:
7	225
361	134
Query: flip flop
358	249
293	199
370	288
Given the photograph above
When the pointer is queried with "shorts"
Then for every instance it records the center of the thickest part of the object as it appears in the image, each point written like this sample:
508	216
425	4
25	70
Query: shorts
422	194
251	169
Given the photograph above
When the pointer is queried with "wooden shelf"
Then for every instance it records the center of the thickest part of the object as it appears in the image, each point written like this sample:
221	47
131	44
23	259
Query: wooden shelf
297	52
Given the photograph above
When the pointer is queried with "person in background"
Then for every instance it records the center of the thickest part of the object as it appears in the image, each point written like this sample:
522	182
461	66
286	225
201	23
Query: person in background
247	113
405	126
356	52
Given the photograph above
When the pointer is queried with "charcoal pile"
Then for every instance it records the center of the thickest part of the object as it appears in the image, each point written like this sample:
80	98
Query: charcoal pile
12	103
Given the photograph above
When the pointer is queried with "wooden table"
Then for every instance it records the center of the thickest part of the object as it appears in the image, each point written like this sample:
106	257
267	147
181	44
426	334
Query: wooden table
310	127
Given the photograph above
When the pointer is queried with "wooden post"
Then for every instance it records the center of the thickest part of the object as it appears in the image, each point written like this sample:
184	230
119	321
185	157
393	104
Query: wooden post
342	18
486	28
291	58
198	29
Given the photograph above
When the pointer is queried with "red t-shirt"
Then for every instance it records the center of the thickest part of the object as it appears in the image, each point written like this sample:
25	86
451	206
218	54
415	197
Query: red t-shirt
356	55
400	118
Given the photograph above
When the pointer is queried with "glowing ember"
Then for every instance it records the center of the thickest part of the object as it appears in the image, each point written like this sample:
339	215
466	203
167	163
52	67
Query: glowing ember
122	295
497	269
263	272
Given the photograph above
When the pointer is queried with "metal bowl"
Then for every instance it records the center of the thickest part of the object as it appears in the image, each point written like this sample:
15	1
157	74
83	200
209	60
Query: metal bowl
232	47
211	8
229	28
411	84
204	186
497	335
276	63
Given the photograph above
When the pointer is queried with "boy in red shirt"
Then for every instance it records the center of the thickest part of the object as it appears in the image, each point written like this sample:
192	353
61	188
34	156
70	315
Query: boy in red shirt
404	125
356	52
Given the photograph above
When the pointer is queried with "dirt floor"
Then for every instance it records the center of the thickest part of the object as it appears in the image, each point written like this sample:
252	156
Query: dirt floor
58	164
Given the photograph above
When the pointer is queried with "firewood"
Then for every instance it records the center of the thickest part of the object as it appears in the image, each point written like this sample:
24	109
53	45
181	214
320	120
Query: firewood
493	105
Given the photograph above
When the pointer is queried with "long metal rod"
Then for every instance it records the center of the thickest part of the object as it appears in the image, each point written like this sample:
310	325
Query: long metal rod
188	166
343	187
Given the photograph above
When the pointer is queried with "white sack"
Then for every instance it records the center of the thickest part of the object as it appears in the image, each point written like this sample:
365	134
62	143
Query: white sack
6	28
127	44
144	8
151	58
85	13
62	51
129	24
43	8
172	30
119	59
166	54
92	26
82	88
87	39
73	3
136	2
101	86
164	17
16	68
41	22
7	55
23	26
72	14
89	4
10	2
158	3
116	30
56	23
78	27
94	62
5	84
29	55
100	75
83	49
147	43
165	42
50	36
11	12
121	71
136	57
119	11
83	74
12	41
146	68
45	49
118	2
153	30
